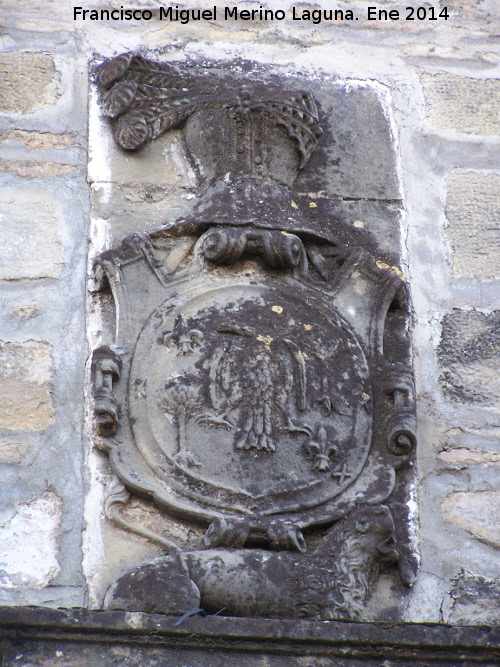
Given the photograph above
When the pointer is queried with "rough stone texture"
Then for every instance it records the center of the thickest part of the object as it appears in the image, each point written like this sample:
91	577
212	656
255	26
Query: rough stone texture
77	638
28	81
28	539
25	385
43	232
390	55
465	456
31	233
475	512
11	452
473	212
474	595
462	104
32	169
469	355
156	587
37	140
26	311
357	150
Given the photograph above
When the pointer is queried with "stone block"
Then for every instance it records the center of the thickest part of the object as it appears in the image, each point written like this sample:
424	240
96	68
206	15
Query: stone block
463	457
28	81
30	233
469	356
32	169
37	140
476	512
78	637
356	157
25	385
163	163
28	539
474	599
473	211
11	452
462	104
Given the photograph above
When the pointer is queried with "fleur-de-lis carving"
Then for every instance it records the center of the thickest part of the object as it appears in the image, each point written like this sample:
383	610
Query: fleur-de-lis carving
184	338
322	450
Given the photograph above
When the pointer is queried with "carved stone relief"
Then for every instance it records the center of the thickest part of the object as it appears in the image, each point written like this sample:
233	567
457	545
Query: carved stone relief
259	380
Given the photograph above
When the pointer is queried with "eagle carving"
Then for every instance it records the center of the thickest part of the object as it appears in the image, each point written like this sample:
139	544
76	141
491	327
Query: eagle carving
261	377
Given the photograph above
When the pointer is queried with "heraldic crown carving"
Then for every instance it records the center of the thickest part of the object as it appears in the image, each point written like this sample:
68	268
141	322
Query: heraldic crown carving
259	380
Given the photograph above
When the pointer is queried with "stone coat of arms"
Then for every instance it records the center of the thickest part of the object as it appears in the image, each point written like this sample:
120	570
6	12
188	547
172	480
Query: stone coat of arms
259	379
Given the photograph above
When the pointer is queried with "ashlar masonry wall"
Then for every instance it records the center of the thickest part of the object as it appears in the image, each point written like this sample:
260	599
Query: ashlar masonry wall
61	204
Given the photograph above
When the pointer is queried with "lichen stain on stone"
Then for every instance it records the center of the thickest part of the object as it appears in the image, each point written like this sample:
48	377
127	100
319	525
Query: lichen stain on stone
267	340
394	269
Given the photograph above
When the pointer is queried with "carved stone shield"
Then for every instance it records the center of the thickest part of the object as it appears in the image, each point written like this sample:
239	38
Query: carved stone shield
251	396
259	379
247	391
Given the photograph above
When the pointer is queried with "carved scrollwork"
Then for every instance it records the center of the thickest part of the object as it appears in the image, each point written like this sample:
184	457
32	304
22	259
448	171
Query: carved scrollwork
226	245
401	422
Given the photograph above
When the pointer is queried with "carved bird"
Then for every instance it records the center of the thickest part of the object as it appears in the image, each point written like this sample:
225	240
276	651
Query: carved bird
256	375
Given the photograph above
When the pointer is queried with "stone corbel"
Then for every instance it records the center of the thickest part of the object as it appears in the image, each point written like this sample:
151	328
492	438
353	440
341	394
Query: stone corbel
106	369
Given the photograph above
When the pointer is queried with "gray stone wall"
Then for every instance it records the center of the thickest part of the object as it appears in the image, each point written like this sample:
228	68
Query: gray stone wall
62	201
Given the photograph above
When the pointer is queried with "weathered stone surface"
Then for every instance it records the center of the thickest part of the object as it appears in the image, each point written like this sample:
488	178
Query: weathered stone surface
161	586
258	425
28	544
31	232
475	598
467	456
28	81
37	140
469	355
127	207
462	104
77	637
357	150
164	165
380	54
25	390
11	452
26	311
32	169
475	512
473	211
